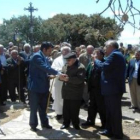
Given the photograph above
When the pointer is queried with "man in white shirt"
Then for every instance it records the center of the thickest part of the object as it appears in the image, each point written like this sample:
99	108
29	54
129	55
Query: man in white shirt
57	64
134	80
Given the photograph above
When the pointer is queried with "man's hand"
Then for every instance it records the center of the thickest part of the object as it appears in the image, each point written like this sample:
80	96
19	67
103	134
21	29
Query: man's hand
52	76
19	58
62	77
66	78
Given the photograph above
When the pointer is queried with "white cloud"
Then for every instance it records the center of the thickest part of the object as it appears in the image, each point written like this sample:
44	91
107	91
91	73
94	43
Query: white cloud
52	14
1	21
127	37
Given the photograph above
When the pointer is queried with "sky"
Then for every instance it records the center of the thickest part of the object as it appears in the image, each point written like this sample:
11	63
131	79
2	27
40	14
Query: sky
49	8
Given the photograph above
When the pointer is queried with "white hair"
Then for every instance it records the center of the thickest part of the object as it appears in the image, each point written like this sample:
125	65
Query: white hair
65	44
27	45
11	44
13	51
1	46
65	47
82	46
37	46
90	46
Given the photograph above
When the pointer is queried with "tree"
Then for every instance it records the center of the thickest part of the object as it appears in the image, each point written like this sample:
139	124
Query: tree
75	29
80	29
7	29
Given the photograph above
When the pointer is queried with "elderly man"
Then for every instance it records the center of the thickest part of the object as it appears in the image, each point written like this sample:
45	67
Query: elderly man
112	88
72	90
3	87
36	48
58	63
39	71
16	75
96	104
85	59
27	51
134	80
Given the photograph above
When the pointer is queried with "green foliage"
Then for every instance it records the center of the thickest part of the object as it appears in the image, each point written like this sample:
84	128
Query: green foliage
75	29
7	29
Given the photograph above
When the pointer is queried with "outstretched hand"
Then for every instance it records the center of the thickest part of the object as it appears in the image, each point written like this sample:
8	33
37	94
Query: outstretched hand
63	77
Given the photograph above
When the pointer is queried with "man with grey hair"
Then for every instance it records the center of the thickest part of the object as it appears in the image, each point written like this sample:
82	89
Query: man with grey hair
15	65
82	47
36	48
27	51
57	64
11	44
85	59
112	88
65	44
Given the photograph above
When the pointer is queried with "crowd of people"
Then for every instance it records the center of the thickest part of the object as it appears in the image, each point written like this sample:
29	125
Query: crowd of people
93	76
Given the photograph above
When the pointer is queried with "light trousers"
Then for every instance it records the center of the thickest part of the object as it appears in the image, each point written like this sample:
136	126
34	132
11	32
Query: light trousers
135	93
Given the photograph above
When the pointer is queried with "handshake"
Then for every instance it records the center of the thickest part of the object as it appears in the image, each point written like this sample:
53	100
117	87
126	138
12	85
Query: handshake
64	77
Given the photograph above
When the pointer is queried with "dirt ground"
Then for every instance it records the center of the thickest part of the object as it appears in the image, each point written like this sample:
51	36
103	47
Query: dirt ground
130	128
6	116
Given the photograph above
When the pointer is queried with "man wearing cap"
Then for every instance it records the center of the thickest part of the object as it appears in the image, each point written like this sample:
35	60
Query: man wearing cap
72	90
38	85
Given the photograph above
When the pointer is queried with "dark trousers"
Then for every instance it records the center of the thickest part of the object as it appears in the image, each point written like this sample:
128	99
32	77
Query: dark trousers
38	102
71	110
96	105
3	87
114	115
13	84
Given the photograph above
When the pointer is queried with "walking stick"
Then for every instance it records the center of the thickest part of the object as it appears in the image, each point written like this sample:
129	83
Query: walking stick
48	102
19	92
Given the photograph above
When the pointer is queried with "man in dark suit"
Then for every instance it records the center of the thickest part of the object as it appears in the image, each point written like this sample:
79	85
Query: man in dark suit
16	66
38	85
133	73
112	88
96	99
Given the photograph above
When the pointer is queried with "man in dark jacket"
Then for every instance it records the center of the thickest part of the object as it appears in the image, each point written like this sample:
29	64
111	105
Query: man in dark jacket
112	88
16	75
134	80
72	90
96	103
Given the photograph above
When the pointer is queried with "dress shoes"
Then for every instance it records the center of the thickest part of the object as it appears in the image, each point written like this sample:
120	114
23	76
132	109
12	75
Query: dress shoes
77	127
33	129
2	104
64	126
58	117
118	137
87	124
46	126
102	127
105	133
132	107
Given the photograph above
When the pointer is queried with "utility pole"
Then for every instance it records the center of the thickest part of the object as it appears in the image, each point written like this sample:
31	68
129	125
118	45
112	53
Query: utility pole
31	9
